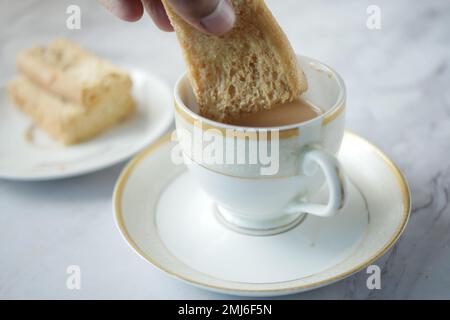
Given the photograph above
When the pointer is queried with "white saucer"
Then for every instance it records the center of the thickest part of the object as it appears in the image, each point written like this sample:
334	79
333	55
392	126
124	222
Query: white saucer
169	221
40	158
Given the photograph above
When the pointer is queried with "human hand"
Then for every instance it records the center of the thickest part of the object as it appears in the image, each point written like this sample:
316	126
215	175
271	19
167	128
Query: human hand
210	16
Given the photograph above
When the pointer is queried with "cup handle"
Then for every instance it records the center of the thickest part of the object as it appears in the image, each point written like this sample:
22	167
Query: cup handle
334	177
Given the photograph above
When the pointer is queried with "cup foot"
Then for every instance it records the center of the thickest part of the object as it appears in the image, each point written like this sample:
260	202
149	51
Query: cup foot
257	227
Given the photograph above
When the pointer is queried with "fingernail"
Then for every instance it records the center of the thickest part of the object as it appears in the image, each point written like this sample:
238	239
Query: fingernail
221	20
126	11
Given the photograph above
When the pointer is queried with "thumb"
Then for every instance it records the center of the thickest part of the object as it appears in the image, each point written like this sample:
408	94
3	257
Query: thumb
210	16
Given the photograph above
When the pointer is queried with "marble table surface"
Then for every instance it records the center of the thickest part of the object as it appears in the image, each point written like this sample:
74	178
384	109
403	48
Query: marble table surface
398	85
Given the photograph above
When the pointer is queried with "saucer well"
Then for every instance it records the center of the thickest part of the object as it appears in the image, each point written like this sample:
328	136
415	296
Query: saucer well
169	221
27	153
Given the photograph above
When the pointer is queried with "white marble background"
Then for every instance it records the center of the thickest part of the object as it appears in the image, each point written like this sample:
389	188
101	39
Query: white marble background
399	97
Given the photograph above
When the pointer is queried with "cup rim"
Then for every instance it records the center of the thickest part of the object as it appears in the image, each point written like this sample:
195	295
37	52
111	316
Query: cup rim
329	114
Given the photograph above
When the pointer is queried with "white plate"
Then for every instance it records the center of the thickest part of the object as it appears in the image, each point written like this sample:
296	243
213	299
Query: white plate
169	221
44	159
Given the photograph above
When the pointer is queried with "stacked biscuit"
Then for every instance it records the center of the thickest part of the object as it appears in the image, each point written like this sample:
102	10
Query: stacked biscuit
70	93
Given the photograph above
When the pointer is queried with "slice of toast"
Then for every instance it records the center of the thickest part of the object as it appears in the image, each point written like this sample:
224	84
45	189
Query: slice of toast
64	121
69	71
252	67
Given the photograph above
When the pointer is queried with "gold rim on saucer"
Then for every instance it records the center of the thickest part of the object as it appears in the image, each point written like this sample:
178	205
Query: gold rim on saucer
406	201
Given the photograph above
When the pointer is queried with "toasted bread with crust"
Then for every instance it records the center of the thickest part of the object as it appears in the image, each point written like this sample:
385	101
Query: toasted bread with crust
252	67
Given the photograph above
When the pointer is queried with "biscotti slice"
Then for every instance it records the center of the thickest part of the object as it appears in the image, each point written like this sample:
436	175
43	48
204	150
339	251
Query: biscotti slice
250	68
63	120
69	71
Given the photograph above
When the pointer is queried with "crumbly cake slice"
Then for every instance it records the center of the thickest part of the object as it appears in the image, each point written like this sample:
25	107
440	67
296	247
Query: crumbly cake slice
73	73
64	121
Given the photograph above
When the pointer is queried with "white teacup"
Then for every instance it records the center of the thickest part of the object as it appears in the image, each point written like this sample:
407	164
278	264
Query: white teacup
255	197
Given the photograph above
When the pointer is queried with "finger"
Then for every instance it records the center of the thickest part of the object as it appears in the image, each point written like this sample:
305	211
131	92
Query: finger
156	10
211	16
128	10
